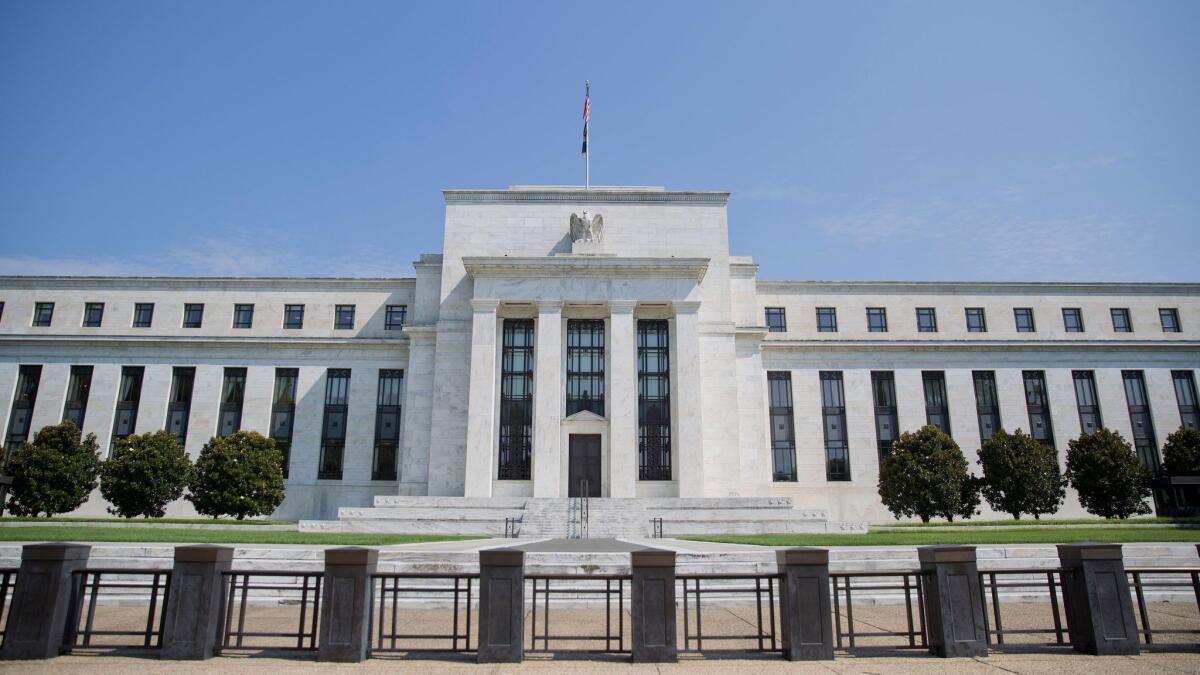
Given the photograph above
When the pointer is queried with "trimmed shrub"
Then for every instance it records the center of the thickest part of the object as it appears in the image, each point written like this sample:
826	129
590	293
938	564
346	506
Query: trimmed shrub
144	474
1181	454
55	473
1106	472
1021	475
239	475
926	475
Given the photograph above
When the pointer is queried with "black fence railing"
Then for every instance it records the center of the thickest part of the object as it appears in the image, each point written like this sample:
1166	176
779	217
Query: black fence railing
697	586
994	582
390	624
282	588
118	582
512	528
8	582
911	582
577	588
656	530
1142	578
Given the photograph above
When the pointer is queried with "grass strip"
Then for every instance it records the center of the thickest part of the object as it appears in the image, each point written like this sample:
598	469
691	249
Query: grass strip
1030	522
192	536
134	521
1028	535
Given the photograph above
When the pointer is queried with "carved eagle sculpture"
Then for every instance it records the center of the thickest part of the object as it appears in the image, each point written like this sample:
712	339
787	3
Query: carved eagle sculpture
587	227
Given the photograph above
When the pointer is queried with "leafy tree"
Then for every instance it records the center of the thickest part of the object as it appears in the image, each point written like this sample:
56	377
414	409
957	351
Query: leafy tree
926	475
1106	472
239	475
1181	454
1021	475
55	473
144	474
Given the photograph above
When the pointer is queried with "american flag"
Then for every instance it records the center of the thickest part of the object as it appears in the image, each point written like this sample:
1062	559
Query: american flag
587	109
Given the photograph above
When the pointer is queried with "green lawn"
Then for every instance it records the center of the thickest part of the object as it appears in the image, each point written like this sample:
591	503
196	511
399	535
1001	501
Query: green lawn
167	521
1031	535
1030	522
84	533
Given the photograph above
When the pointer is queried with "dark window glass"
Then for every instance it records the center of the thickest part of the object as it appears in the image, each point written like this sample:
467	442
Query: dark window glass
333	424
827	319
927	319
1140	418
283	412
293	316
179	406
1024	319
1169	317
1037	401
1088	402
93	314
343	317
776	320
1072	319
986	404
1	310
887	423
1120	320
43	313
128	398
1185	393
193	315
387	425
833	412
143	314
394	318
243	316
233	393
24	397
654	400
585	366
976	320
783	436
78	388
877	319
937	410
516	400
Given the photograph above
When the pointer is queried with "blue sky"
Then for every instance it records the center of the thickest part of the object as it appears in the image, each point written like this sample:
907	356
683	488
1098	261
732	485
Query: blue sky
913	140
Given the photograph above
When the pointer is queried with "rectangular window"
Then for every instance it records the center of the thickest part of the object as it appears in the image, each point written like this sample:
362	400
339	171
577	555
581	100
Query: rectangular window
1024	319
128	397
333	424
1169	317
93	314
387	425
887	422
243	316
1185	393
293	316
986	404
937	410
343	317
927	319
143	314
654	400
43	313
1120	320
585	366
179	406
826	319
833	412
78	388
394	317
1140	419
1087	400
516	400
976	320
776	320
283	412
783	436
24	397
1037	401
193	315
877	319
233	394
1072	319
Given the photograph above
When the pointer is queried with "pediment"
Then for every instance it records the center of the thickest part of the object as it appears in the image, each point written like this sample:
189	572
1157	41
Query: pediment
585	416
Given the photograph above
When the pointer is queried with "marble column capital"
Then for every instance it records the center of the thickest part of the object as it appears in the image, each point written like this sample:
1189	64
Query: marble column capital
686	306
621	306
549	306
484	304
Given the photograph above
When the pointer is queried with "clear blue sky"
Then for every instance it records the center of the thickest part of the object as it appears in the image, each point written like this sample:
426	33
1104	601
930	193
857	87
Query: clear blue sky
948	140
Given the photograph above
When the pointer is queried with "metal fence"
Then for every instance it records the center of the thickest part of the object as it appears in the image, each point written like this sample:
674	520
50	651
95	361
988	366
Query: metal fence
578	587
911	582
121	582
388	591
8	582
1142	578
696	586
283	584
991	582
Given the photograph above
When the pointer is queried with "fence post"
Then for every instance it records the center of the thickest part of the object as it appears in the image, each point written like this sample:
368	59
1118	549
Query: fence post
195	602
804	604
652	606
501	606
346	604
953	601
1096	593
44	615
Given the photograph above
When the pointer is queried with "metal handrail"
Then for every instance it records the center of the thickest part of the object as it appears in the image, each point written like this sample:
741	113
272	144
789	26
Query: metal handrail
585	485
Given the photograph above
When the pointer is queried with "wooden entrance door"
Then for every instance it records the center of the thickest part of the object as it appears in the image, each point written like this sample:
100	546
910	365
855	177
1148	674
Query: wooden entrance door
584	466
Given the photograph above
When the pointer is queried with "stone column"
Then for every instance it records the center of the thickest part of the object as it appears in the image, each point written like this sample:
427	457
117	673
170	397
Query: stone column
622	400
688	445
807	629
346	604
501	606
418	410
44	615
1096	595
953	601
195	602
652	608
548	401
481	401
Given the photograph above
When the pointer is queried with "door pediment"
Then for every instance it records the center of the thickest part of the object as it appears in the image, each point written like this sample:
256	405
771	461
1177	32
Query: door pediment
585	416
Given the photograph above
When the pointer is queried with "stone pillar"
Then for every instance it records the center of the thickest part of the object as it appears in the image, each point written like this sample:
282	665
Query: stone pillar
953	601
418	410
501	605
1096	595
622	400
195	602
805	599
481	401
346	604
652	608
548	392
44	615
688	428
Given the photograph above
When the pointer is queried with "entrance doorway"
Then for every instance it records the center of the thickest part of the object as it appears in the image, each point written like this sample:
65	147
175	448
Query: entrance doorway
583	470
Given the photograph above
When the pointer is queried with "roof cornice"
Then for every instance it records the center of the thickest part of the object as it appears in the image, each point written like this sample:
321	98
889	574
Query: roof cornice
981	345
573	266
231	283
581	196
980	287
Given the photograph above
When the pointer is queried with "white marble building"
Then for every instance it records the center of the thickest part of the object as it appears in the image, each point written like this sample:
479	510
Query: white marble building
686	358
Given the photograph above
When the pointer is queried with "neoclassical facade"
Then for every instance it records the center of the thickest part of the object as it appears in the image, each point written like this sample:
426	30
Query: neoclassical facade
601	342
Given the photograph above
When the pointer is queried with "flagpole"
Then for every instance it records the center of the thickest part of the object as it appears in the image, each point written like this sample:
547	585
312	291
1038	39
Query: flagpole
587	156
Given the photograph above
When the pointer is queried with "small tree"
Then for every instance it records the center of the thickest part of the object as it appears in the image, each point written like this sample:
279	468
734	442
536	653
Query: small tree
1105	471
55	473
926	475
1181	454
144	474
1021	475
239	475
